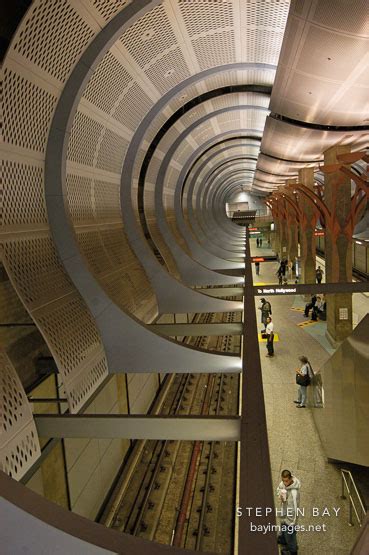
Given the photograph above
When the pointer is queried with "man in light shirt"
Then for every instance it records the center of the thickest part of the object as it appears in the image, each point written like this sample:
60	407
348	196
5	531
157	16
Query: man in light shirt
269	330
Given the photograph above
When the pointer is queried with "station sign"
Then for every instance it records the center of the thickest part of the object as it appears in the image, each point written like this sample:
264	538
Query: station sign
319	233
310	288
276	290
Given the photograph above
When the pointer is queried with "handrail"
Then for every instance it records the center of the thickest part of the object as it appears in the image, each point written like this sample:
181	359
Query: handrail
360	519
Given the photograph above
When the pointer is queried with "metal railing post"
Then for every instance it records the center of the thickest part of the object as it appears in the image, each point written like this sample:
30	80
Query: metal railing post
343	496
350	513
351	487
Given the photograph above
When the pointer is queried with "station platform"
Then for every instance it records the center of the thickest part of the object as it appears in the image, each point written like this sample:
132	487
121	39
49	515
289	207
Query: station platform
293	438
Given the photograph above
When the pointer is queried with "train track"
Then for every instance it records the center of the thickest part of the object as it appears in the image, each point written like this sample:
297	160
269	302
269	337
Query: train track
176	488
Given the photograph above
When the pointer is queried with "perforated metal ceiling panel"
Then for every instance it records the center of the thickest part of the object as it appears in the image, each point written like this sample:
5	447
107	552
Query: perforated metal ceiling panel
19	444
325	58
322	78
170	43
109	8
160	51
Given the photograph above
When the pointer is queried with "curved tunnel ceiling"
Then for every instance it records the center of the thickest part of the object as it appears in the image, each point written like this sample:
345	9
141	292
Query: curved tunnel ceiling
144	115
320	96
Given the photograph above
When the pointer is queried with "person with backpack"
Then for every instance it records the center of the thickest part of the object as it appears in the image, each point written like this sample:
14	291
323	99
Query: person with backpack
266	310
279	273
304	377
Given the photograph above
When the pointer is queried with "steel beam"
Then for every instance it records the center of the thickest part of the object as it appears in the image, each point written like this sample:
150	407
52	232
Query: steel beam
222	291
255	481
112	426
196	330
303	288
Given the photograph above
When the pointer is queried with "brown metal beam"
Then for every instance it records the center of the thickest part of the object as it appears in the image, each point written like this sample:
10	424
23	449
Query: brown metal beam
198	330
138	426
303	288
255	488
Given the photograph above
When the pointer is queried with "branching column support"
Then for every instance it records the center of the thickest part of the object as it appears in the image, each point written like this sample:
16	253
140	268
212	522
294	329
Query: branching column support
283	232
339	212
272	204
281	223
292	225
344	212
307	228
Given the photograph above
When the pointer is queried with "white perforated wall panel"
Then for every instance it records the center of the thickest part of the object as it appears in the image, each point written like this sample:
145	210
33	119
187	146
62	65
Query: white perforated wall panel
109	8
48	43
165	46
39	39
19	444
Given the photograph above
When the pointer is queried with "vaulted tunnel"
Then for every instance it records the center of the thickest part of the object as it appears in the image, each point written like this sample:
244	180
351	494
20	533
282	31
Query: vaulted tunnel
128	127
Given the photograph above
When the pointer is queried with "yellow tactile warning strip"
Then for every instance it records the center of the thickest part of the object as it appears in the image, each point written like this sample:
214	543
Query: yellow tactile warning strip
264	283
261	340
307	323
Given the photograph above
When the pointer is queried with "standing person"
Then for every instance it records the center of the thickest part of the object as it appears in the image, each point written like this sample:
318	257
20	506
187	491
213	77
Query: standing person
284	264
257	241
304	376
257	268
261	241
279	273
266	311
289	495
319	274
269	331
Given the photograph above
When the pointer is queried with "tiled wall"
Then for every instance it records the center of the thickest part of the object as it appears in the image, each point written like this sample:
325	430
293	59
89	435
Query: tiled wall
92	464
142	390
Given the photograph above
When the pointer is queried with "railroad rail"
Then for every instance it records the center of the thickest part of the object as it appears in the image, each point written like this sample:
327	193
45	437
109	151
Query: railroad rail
173	489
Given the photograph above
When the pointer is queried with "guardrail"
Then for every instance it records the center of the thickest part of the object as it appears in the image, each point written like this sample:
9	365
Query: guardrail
348	482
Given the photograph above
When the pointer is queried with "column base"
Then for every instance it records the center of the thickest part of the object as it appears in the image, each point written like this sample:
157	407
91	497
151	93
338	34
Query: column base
332	340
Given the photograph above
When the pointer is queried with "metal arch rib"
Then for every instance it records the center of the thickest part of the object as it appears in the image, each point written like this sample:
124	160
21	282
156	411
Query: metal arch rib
129	345
198	251
196	273
162	282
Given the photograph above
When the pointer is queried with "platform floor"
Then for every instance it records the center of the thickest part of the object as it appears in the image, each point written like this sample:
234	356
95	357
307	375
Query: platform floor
293	438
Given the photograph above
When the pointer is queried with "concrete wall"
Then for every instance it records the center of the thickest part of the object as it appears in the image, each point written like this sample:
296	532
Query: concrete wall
91	465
